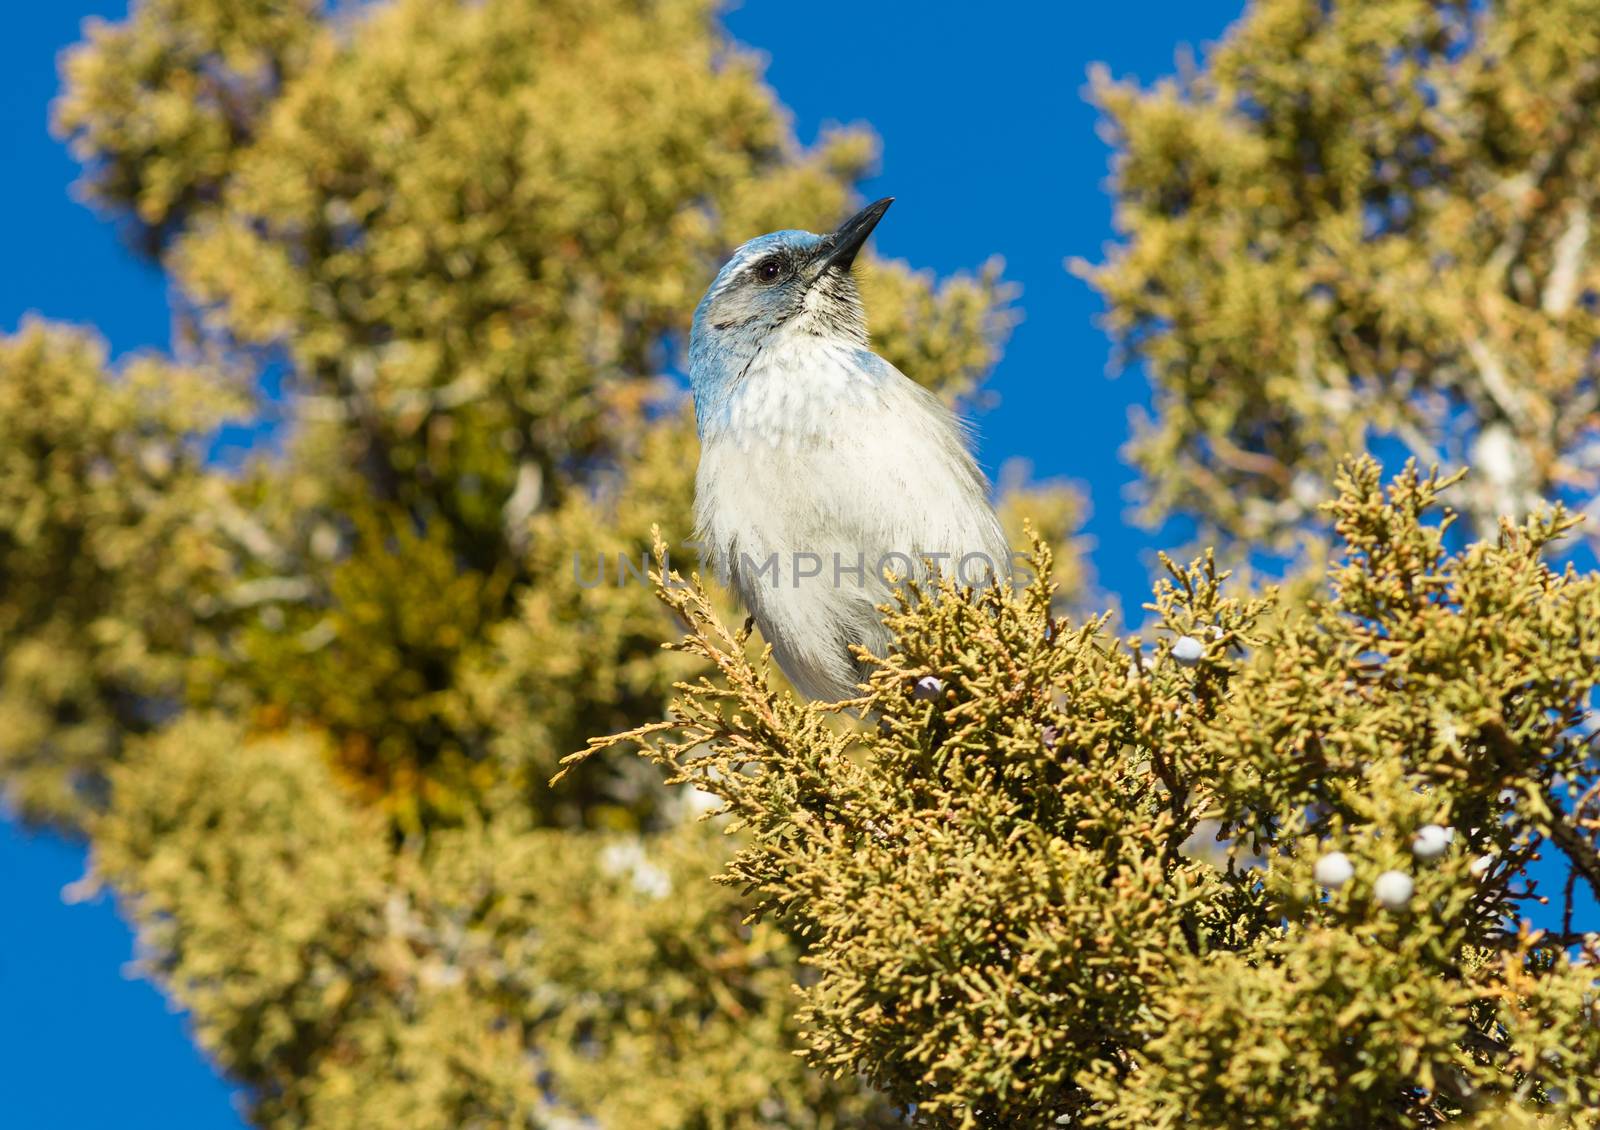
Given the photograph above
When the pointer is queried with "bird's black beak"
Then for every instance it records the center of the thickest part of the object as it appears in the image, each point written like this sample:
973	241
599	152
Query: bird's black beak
844	243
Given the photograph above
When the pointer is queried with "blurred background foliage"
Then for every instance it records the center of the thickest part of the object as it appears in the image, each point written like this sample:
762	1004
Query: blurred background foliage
109	559
1362	225
305	709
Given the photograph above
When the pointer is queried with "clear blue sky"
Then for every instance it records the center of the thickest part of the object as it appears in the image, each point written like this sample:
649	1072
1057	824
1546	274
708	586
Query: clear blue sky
989	148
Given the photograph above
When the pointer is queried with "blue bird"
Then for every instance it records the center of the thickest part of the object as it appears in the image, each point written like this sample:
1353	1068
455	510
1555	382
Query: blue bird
821	464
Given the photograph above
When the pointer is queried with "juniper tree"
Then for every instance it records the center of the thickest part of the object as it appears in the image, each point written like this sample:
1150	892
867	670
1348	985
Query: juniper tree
494	974
1008	914
104	568
1355	224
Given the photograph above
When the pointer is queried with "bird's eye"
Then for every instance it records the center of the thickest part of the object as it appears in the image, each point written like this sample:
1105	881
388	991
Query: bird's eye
769	270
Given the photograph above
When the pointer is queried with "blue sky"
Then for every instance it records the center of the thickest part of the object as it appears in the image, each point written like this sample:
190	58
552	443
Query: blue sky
989	149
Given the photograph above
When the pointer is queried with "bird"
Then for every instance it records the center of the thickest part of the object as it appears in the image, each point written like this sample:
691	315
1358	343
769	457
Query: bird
822	466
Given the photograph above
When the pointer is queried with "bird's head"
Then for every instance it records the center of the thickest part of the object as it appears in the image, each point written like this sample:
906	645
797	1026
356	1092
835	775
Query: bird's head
791	281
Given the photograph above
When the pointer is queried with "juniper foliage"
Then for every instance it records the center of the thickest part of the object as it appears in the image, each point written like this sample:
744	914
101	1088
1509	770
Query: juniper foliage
105	571
1361	223
1010	918
494	974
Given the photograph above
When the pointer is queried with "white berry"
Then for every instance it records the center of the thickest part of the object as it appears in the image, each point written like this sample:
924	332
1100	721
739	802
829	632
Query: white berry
1334	869
1430	841
1393	889
928	687
1187	650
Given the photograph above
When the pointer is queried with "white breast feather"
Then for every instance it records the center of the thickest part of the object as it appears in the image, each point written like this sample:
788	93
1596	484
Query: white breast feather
816	457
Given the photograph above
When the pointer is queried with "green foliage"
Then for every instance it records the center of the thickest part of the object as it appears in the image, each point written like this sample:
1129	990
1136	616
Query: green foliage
481	976
162	104
1007	910
104	571
1362	222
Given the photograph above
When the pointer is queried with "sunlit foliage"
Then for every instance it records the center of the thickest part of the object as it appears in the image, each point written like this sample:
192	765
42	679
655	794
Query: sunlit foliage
1364	222
1015	909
